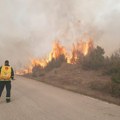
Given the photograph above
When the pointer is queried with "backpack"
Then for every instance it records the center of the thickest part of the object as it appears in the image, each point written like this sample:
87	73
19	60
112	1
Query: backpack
5	73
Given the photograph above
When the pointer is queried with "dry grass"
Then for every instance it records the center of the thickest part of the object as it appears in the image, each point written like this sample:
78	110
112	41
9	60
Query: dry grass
72	77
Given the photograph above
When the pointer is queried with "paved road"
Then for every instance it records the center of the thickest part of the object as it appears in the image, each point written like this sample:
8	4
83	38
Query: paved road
33	100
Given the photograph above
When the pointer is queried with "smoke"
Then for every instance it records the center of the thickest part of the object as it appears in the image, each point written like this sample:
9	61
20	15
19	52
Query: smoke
16	51
29	27
111	37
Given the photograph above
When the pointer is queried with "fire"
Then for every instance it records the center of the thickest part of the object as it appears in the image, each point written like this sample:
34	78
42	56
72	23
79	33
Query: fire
81	46
34	62
57	50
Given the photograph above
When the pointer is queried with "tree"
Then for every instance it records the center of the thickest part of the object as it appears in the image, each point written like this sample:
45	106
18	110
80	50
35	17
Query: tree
94	59
55	63
113	69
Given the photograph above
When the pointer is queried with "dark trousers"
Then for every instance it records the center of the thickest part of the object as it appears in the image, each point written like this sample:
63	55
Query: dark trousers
6	84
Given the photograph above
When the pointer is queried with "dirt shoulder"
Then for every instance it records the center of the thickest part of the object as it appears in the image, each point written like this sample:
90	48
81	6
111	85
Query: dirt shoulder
73	78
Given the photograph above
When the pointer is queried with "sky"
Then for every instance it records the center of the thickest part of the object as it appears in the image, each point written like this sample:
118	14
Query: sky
28	28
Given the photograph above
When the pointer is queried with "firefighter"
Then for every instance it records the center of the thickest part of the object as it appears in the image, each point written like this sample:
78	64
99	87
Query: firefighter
6	74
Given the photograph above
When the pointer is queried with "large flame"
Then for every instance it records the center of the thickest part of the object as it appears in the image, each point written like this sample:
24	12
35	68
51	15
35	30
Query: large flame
81	46
57	50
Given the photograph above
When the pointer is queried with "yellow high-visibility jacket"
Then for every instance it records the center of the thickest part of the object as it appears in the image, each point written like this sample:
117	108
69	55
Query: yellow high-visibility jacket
5	73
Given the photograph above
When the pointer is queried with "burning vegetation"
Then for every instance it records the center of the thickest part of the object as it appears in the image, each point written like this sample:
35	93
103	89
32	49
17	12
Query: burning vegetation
83	55
59	51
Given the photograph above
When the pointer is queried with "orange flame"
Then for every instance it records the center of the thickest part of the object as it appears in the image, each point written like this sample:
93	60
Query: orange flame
57	50
80	47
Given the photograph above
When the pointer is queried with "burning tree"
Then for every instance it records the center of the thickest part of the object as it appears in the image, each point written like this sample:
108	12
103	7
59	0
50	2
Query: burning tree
58	55
94	59
55	63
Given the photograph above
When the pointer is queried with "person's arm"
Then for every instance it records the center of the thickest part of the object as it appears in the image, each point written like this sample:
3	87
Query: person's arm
12	73
0	68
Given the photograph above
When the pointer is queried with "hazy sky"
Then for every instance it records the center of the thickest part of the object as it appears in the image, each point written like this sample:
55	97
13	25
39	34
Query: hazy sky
28	27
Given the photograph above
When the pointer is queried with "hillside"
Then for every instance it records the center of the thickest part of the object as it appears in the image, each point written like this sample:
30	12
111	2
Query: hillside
72	77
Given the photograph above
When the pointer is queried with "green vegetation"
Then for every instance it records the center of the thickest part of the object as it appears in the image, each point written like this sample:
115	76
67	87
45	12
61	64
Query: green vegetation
110	65
114	71
93	60
55	63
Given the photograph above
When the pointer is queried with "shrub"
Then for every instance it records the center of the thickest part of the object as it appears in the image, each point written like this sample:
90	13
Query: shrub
116	78
55	63
113	66
115	89
37	71
113	69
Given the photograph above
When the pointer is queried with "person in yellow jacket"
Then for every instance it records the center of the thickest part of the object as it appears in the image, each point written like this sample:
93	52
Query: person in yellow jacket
6	74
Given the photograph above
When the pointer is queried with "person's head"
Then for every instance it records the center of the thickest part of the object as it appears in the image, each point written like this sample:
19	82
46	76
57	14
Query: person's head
6	62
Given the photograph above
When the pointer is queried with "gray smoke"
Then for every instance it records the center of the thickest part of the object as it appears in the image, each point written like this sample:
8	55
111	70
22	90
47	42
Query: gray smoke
29	27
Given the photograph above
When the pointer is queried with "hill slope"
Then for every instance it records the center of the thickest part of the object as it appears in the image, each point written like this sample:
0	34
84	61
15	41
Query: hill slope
72	77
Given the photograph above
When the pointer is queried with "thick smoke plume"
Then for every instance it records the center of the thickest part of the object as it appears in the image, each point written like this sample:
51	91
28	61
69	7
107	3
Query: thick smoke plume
29	27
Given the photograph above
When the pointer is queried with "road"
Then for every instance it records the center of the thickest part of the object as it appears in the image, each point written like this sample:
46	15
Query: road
33	100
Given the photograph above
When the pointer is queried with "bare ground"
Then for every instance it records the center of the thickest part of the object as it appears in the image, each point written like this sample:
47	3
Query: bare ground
33	100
